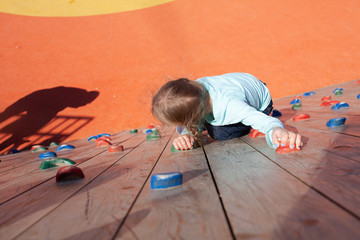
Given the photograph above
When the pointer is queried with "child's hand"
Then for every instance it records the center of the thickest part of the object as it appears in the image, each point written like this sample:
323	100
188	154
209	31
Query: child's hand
282	136
184	142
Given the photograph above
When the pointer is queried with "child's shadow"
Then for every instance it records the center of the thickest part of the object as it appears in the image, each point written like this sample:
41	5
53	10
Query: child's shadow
37	109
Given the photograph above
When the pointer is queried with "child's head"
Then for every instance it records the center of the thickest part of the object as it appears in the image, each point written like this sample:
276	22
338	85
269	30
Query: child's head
181	102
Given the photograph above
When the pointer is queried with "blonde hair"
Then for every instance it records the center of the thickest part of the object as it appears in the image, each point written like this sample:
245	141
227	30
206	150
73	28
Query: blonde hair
181	102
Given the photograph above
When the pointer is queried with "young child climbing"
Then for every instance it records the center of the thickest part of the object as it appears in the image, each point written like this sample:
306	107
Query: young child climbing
227	106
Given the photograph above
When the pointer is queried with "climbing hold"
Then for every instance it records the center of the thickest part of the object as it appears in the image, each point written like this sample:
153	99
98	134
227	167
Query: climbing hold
309	94
254	133
119	148
39	148
102	142
340	105
338	93
300	117
334	122
338	89
357	82
297	97
53	144
103	138
58	162
296	106
295	101
147	131
92	138
166	180
173	149
68	173
151	125
358	96
326	98
179	129
14	150
103	135
153	135
47	155
328	103
133	131
64	147
286	149
276	113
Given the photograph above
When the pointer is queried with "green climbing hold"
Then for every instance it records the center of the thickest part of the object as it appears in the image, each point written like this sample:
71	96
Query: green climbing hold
39	149
338	92
134	131
58	162
153	135
296	106
173	149
53	144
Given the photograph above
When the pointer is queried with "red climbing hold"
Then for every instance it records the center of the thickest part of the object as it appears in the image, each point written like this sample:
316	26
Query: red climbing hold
358	81
69	173
297	97
119	148
254	133
103	142
328	103
151	125
103	138
286	149
300	117
326	98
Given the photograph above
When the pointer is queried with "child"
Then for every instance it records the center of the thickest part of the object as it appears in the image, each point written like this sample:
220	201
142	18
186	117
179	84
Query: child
227	106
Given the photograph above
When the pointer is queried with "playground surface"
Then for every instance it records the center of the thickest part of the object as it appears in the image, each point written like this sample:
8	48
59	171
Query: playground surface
236	189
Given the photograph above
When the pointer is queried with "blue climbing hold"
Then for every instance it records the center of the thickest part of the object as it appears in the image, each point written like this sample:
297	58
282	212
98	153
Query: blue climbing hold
338	89
166	180
358	96
179	129
103	135
334	122
276	113
296	100
309	94
47	155
92	137
14	150
64	147
340	105
148	131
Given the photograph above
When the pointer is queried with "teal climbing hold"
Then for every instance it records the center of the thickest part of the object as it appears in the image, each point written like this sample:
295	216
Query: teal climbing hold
58	162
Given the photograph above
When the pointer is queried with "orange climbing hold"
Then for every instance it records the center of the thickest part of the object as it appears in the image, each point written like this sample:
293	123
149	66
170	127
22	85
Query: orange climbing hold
254	133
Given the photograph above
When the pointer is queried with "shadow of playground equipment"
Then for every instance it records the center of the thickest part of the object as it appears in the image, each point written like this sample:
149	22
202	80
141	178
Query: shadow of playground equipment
21	122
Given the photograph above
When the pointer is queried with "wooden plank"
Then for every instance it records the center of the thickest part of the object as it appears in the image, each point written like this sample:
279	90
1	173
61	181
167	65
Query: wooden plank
12	161
331	174
101	205
264	202
318	121
17	182
24	210
190	211
337	143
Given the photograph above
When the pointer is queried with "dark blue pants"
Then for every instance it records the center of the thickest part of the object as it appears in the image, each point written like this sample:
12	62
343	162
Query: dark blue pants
235	130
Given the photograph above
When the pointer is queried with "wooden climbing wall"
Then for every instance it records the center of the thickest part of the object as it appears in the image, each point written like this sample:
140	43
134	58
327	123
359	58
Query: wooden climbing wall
236	189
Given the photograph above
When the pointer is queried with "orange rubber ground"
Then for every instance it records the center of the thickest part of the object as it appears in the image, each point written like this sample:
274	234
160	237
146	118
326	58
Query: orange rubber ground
122	58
